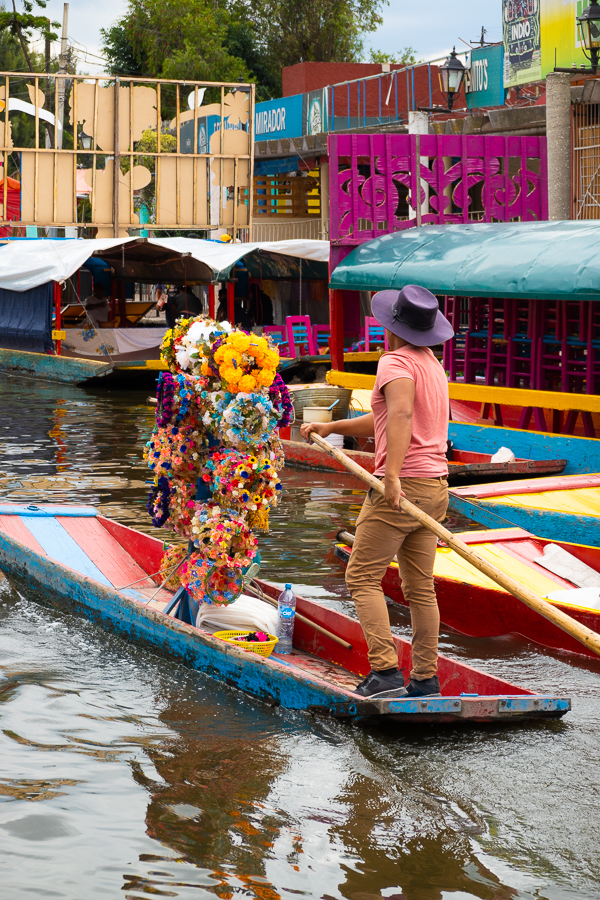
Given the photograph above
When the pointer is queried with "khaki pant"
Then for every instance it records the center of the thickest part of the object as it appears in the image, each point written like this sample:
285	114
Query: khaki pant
381	534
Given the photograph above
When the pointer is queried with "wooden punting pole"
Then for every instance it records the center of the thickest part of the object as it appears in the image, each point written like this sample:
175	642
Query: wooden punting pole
582	634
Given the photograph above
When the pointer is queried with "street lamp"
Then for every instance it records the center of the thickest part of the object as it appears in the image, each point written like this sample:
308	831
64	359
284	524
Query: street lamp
86	140
451	75
588	24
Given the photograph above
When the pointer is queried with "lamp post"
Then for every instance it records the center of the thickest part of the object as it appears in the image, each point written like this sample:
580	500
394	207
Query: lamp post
451	75
85	140
588	24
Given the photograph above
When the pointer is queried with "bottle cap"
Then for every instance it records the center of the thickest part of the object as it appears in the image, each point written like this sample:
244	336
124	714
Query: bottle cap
288	587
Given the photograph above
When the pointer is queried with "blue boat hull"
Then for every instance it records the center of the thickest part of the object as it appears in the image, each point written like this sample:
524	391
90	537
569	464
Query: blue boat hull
546	524
582	454
273	681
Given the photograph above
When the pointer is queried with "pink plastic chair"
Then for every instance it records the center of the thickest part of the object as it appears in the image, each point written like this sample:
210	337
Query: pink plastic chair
321	335
299	334
280	338
374	333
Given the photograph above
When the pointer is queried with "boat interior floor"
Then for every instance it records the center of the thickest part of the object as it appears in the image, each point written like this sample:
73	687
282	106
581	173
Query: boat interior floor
299	659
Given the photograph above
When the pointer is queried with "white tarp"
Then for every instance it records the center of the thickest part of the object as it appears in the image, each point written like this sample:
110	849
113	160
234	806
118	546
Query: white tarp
27	264
220	256
114	343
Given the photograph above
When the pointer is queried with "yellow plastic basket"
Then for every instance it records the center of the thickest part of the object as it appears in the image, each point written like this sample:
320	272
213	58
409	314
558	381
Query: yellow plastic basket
262	648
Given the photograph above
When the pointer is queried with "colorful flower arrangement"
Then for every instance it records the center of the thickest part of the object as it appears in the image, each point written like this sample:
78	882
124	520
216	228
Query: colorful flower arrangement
207	583
279	396
246	483
214	454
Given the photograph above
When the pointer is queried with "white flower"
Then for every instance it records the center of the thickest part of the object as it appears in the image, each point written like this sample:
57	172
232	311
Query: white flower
183	358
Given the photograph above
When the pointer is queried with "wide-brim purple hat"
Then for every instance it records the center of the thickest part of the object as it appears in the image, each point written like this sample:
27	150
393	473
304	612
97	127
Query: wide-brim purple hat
413	314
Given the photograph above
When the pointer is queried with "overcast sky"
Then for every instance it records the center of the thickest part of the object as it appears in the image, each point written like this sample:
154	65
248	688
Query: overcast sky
431	27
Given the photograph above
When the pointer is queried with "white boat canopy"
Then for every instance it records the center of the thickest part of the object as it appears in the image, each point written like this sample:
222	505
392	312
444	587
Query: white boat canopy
28	264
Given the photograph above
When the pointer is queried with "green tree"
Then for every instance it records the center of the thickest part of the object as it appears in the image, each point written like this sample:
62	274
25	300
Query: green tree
407	57
242	42
180	39
123	57
21	24
294	31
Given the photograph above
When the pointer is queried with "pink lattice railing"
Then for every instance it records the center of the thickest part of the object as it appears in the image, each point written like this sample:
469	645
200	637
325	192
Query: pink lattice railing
464	178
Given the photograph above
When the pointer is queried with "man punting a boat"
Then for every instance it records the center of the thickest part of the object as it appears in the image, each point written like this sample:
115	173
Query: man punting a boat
410	424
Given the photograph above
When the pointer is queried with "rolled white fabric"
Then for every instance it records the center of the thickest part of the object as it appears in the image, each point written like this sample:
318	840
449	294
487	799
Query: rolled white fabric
245	613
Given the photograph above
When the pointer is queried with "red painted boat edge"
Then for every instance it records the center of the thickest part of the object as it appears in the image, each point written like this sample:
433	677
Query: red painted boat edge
477	611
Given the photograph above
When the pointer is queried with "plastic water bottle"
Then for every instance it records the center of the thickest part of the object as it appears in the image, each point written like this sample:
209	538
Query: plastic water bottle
286	608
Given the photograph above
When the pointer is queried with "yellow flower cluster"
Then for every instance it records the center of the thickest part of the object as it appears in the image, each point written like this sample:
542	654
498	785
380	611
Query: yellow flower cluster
246	362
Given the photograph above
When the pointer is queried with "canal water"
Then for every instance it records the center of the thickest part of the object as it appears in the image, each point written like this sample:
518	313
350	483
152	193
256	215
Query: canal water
125	775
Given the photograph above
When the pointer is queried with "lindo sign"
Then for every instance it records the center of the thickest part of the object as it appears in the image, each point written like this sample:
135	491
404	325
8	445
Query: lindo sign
485	81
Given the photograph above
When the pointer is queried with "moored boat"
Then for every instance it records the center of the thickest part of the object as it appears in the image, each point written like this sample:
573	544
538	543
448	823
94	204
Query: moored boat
562	508
472	604
465	466
103	570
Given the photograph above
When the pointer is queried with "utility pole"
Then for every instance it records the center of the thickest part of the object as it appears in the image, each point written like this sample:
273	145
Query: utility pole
558	142
62	70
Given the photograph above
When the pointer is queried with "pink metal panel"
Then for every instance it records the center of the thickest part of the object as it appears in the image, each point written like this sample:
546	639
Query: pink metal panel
369	175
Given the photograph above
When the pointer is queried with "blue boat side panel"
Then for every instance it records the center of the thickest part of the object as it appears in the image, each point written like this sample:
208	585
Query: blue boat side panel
60	546
582	454
10	509
553	526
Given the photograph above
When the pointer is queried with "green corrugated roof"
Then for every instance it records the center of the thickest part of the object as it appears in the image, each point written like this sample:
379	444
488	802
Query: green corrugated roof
535	260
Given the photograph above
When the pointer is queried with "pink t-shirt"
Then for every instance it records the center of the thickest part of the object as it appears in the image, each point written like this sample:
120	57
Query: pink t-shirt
426	454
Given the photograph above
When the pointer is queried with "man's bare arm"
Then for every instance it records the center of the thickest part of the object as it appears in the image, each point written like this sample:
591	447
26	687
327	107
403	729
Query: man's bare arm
399	399
361	426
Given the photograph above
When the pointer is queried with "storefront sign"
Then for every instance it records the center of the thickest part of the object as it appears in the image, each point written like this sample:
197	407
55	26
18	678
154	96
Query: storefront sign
522	41
291	117
278	118
314	112
561	42
485	80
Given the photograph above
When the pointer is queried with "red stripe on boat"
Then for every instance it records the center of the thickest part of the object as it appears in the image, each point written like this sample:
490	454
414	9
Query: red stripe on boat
105	552
14	527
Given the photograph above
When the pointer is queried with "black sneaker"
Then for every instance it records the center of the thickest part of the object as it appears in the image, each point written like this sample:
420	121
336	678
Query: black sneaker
429	687
379	686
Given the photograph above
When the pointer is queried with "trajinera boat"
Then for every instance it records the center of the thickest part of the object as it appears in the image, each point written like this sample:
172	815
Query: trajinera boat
568	575
564	508
464	466
102	570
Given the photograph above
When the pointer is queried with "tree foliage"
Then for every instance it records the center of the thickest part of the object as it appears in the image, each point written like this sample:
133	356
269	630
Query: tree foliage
234	40
406	57
183	39
21	24
294	31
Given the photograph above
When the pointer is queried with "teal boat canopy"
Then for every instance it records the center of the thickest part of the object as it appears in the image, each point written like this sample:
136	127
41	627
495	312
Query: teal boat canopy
527	260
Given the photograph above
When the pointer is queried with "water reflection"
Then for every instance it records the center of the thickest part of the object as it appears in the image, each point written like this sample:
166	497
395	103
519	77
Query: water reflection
124	774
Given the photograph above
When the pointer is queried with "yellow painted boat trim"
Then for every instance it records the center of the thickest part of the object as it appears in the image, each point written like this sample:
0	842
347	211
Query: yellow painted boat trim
483	393
363	356
350	380
451	567
576	501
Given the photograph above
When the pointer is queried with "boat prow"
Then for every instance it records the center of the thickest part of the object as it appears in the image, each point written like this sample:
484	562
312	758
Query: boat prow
104	571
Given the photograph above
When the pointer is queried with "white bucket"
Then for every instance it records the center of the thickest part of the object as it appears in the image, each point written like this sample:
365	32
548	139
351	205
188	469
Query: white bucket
336	440
316	414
